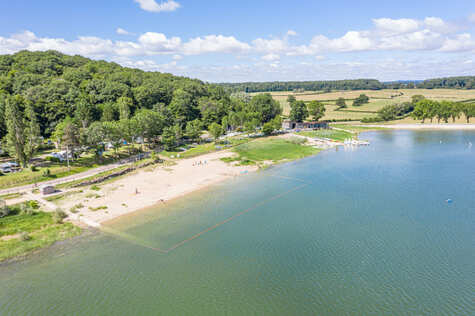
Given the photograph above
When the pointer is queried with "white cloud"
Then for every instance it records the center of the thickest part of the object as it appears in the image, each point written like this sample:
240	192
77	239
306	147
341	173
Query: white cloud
291	33
177	57
156	43
214	44
271	57
153	6
121	31
471	18
269	45
396	26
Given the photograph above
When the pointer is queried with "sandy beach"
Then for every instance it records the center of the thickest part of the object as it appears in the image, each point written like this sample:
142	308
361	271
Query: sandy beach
150	187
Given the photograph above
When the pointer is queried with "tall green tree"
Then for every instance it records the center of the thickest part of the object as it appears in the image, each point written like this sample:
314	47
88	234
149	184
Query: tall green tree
316	109
298	111
266	107
193	130
216	130
32	131
16	129
468	110
125	105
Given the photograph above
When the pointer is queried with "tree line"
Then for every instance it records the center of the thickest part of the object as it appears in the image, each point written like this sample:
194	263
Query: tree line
79	102
299	110
467	82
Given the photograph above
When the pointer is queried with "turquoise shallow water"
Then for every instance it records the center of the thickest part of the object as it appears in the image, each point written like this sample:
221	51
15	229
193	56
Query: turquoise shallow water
348	232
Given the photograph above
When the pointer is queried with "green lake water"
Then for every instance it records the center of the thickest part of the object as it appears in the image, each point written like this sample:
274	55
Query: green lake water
364	231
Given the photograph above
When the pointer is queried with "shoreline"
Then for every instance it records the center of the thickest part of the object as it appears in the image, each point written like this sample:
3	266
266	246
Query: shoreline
432	126
149	188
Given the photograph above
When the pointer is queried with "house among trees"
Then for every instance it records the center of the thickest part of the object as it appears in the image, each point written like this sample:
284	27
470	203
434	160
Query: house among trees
288	124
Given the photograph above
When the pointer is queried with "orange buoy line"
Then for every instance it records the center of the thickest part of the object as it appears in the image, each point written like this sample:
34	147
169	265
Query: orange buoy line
138	242
234	217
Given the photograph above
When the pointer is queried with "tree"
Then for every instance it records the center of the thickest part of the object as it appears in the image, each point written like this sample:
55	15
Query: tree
423	110
316	109
340	103
291	99
95	136
455	110
32	132
149	123
113	134
168	138
193	130
277	122
416	98
125	105
215	130
268	128
84	112
265	106
444	111
362	99
468	110
298	111
15	129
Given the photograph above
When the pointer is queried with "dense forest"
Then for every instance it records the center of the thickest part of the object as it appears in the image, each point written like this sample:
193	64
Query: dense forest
358	84
77	101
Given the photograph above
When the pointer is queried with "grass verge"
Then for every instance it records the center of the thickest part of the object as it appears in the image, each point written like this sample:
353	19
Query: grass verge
21	234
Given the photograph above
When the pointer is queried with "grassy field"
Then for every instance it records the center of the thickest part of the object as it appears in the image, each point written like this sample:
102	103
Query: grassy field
273	149
328	133
356	128
205	148
378	99
21	233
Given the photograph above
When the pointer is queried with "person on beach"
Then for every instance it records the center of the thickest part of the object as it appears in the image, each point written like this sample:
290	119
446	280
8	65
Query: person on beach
136	191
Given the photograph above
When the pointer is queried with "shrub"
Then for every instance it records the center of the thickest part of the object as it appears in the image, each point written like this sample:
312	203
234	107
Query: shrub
4	211
24	236
59	215
26	209
297	140
95	188
267	128
53	159
33	168
47	173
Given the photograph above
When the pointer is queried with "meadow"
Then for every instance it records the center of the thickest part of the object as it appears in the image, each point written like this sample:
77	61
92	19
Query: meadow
378	99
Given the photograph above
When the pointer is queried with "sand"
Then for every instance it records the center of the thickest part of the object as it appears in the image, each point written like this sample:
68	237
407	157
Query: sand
151	187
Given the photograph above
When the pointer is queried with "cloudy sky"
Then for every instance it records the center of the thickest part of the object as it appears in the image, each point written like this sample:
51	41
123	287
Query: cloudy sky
264	40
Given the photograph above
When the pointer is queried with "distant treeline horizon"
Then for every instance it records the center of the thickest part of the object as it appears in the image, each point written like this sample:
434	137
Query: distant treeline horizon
463	82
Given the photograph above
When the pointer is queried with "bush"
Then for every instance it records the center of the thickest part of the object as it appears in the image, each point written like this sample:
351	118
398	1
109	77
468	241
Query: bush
26	209
53	159
59	215
24	236
297	140
371	120
4	211
268	128
33	168
47	173
95	188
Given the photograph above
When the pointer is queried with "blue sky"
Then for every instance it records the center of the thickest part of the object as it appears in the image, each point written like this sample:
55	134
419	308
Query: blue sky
254	40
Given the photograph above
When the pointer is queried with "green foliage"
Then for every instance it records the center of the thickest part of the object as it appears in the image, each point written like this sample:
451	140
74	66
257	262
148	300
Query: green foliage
394	111
362	99
58	216
341	103
265	106
316	109
268	128
298	111
216	130
328	133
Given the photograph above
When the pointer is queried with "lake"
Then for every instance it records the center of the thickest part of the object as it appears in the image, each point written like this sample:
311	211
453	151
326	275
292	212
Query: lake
362	231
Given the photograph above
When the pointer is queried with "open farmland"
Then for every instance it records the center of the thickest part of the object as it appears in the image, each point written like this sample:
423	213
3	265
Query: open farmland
378	99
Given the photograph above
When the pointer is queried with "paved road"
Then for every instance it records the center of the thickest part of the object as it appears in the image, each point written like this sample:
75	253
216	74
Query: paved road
78	176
